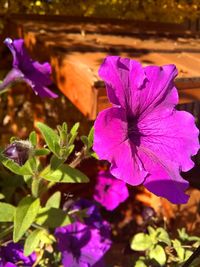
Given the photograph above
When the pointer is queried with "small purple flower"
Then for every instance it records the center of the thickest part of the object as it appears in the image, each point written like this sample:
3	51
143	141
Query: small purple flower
109	191
12	254
146	140
93	215
36	75
82	245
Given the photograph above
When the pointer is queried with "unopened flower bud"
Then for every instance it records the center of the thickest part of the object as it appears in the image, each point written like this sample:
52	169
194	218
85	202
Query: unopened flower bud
19	151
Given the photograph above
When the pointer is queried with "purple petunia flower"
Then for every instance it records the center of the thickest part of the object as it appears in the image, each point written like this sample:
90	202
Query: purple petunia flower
36	75
83	244
146	140
12	254
109	191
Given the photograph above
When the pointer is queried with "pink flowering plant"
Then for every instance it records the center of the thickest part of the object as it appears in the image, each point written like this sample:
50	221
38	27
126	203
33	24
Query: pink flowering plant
143	137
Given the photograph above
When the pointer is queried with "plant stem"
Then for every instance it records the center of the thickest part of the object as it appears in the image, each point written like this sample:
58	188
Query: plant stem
6	232
80	156
195	254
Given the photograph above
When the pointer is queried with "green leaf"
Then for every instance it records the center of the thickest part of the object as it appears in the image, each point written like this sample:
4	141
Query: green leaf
15	168
33	241
47	239
151	231
49	135
64	174
55	162
157	253
188	253
74	129
94	155
73	133
162	236
84	139
141	242
42	152
52	217
6	212
25	215
140	263
2	196
182	234
179	249
91	137
54	200
33	138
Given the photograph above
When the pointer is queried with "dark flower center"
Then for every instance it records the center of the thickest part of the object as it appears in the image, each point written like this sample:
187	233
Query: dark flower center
133	131
106	188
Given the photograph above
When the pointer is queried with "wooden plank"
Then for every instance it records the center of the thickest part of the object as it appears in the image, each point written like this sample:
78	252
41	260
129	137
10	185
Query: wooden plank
75	80
76	57
124	27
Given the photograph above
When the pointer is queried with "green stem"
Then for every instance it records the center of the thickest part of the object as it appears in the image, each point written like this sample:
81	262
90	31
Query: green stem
6	232
81	156
37	226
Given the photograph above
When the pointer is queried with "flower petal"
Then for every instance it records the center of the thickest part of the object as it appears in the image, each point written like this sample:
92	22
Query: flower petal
43	91
164	178
174	138
21	58
115	72
41	73
111	143
159	94
12	76
109	191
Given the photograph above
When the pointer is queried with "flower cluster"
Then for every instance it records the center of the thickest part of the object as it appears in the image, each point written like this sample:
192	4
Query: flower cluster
146	140
83	244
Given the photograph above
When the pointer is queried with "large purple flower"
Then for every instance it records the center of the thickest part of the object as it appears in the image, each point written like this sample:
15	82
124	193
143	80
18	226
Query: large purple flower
109	191
12	254
82	245
143	136
24	68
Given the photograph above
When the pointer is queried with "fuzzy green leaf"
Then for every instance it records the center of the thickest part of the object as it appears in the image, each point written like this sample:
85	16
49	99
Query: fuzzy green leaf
73	133
50	136
2	196
42	152
54	200
32	241
33	138
140	263
64	174
6	212
141	242
52	217
179	249
157	253
15	168
25	215
91	137
162	236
